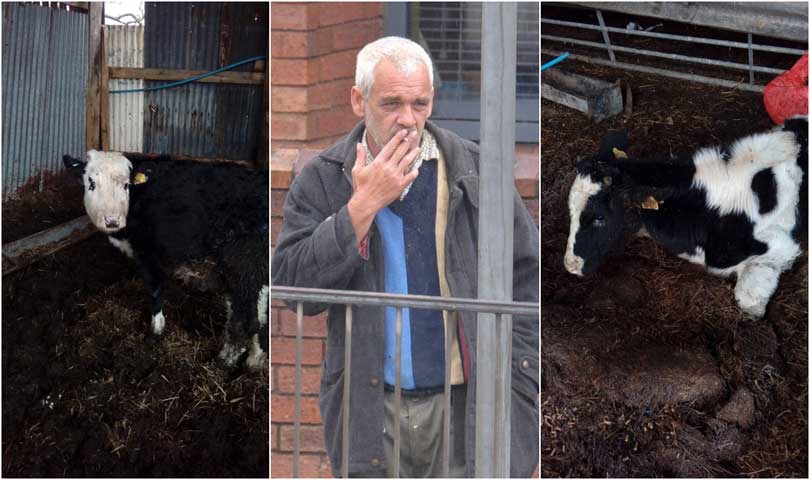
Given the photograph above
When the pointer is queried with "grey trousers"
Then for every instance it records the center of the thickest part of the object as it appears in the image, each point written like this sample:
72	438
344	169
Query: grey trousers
421	422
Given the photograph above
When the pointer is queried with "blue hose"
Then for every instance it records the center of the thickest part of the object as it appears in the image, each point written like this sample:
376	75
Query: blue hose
554	62
192	79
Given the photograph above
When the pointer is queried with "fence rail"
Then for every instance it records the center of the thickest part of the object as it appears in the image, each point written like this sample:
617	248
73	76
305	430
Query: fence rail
299	296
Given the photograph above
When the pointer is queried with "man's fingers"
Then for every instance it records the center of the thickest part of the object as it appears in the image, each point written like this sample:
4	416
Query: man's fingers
407	160
389	148
360	161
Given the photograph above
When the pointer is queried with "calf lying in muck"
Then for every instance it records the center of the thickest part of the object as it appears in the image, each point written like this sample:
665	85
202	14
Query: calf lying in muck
165	213
736	210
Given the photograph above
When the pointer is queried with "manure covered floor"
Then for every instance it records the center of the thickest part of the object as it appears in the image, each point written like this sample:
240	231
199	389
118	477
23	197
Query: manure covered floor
648	367
87	392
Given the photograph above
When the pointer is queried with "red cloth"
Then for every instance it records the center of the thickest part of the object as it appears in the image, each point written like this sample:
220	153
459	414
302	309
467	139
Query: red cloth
786	95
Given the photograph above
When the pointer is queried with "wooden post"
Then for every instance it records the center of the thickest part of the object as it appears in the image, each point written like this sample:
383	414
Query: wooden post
105	93
92	138
263	157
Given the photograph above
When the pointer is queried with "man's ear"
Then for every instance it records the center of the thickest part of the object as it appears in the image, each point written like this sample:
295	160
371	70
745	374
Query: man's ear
74	165
613	146
358	102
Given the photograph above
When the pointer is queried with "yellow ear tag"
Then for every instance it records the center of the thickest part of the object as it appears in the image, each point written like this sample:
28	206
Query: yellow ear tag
618	153
140	178
650	203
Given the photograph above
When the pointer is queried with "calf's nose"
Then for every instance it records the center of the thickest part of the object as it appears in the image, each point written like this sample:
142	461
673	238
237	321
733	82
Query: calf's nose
574	264
111	223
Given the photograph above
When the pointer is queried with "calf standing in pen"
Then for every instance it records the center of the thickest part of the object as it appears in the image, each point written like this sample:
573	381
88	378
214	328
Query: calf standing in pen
164	213
737	210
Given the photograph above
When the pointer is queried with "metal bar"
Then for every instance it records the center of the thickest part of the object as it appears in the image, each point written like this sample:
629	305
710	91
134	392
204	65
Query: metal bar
503	325
450	327
681	38
605	36
495	229
398	395
347	375
316	295
666	73
299	333
669	56
750	60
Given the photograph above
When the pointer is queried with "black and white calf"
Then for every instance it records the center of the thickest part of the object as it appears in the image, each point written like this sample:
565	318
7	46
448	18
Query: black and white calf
163	213
739	209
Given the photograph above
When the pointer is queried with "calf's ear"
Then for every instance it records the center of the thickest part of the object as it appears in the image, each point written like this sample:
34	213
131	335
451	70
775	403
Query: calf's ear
613	146
74	165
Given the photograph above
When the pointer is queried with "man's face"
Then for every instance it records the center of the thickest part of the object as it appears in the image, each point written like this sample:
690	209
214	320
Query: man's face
397	101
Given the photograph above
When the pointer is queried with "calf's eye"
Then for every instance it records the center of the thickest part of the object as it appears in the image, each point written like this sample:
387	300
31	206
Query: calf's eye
126	186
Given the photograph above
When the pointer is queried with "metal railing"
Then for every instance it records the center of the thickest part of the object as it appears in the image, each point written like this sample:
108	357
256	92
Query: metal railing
612	48
351	299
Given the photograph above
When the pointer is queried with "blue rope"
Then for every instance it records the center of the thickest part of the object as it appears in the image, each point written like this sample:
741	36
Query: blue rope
554	62
192	79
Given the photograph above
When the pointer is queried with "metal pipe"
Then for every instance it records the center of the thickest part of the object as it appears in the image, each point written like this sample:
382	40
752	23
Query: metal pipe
681	38
605	35
299	333
750	60
316	295
495	230
669	56
347	375
450	326
665	73
398	395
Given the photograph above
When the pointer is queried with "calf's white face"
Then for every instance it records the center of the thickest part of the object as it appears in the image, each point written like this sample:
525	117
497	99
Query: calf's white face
106	181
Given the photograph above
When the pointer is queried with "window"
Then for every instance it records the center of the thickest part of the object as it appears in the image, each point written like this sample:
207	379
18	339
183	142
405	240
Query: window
451	33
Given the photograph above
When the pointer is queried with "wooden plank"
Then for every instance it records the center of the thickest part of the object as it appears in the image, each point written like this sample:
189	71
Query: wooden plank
161	74
138	156
24	252
95	20
105	93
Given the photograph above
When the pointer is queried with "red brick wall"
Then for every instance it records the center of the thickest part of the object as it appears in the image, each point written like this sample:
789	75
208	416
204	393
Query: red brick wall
313	50
314	462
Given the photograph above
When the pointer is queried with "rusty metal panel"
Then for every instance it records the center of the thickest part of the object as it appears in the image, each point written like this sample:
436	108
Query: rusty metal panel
44	85
204	120
125	49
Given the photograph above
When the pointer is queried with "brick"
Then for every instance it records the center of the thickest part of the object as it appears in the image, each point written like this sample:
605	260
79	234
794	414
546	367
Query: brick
283	409
334	121
293	71
310	380
290	16
310	466
527	187
527	170
290	44
282	161
277	197
311	439
289	125
356	34
290	99
335	13
330	94
283	351
314	326
336	65
275	325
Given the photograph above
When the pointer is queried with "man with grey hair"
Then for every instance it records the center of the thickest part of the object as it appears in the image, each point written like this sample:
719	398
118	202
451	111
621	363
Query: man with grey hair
393	207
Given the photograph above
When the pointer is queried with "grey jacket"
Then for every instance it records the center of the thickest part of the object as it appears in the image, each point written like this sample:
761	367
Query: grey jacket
317	249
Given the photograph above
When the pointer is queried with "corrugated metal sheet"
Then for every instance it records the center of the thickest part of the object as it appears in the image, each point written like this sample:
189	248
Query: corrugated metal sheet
43	89
125	49
203	120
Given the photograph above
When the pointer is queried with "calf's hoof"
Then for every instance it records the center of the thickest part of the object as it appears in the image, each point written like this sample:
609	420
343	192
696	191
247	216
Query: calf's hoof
229	355
158	323
751	306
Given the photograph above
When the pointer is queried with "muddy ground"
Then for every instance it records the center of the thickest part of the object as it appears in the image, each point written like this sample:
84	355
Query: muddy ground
87	392
648	367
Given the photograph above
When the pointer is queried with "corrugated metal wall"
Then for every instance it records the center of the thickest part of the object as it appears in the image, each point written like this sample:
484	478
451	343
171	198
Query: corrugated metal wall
125	49
43	89
205	120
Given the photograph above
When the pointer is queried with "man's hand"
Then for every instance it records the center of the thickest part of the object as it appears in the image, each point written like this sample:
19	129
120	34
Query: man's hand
381	182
